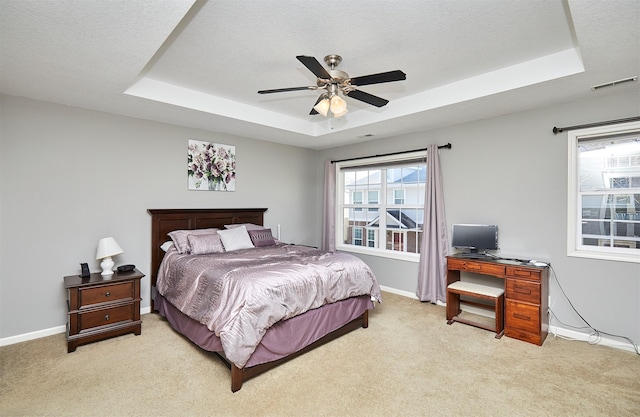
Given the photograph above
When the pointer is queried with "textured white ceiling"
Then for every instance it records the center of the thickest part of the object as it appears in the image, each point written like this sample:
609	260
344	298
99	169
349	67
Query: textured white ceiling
201	63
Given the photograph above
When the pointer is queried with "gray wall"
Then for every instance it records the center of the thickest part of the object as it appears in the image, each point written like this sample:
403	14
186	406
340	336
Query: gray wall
512	171
69	177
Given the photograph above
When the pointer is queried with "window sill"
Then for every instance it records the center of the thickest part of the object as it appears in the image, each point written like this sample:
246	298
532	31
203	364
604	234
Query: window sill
606	256
402	256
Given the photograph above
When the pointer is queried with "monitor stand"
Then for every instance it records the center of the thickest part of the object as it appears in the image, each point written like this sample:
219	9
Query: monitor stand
473	254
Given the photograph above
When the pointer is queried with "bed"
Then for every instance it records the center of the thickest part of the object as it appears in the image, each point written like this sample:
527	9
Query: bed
291	336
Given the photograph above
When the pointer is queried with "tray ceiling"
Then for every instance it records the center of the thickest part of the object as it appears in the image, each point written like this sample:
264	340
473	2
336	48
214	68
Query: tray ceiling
200	64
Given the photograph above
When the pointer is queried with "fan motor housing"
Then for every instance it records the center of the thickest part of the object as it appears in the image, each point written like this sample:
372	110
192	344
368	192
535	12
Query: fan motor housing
338	75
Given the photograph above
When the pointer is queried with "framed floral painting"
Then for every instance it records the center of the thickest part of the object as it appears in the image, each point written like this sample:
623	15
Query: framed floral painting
211	166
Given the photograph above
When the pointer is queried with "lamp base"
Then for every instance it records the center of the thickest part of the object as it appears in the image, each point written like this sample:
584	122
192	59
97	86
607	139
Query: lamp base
107	267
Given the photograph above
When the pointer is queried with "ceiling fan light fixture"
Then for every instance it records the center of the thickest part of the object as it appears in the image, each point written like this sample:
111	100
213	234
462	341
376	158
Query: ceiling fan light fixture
322	107
338	105
342	113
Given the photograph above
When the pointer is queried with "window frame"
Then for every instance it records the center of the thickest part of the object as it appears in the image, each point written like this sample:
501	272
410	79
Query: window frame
574	217
339	205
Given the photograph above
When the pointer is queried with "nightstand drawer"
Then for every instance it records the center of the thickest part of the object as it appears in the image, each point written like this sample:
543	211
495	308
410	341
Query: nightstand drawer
522	290
522	316
105	294
104	317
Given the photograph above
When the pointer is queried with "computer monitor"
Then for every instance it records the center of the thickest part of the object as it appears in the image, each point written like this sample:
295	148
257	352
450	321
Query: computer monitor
475	238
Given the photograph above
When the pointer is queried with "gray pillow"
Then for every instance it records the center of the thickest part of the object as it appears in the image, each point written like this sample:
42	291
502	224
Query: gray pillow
179	238
248	226
203	244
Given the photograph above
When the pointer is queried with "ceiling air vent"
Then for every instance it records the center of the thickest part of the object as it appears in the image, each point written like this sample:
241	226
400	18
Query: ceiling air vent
612	83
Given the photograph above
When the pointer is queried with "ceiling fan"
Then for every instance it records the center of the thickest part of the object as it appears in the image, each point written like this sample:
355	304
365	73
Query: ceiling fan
334	81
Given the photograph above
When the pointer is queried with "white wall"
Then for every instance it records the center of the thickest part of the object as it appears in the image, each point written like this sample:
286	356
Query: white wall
512	171
69	177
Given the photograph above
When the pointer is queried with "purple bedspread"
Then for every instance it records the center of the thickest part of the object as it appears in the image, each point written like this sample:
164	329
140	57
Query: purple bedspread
240	294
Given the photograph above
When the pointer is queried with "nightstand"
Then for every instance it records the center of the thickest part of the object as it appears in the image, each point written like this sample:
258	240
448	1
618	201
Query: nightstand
100	308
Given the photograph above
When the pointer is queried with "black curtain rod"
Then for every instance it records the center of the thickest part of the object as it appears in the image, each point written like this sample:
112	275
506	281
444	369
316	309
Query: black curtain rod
447	146
557	130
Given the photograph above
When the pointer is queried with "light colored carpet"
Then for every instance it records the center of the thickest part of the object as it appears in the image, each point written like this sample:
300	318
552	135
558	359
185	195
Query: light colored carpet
409	362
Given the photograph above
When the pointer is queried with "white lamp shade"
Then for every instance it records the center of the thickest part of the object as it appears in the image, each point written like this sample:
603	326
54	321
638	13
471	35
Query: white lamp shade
108	247
338	105
322	107
336	115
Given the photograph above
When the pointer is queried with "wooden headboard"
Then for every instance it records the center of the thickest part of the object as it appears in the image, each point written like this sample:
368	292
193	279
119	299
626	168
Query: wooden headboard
164	221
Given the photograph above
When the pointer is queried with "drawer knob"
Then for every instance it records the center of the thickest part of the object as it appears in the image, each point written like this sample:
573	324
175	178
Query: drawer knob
107	294
106	317
522	290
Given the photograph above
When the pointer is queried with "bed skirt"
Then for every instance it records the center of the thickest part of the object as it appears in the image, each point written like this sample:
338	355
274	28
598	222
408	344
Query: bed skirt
283	338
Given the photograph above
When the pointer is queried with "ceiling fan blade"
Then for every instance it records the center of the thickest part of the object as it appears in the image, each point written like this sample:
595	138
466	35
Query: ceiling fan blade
313	109
314	66
383	77
367	98
282	90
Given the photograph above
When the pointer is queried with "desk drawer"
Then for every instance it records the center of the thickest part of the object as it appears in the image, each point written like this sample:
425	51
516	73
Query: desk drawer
522	290
524	273
522	316
105	294
476	266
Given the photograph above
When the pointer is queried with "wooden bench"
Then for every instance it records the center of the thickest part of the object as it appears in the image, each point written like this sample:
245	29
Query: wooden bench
479	292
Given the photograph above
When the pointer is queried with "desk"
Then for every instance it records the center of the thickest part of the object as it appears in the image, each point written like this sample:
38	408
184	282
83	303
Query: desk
526	293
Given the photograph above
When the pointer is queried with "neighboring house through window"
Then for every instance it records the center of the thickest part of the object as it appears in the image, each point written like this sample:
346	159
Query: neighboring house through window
380	205
604	193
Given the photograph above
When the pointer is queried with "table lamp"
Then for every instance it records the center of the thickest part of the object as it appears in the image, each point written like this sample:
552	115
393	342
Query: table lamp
107	247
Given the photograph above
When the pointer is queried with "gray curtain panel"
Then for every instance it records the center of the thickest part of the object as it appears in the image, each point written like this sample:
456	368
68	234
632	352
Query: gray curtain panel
328	209
432	269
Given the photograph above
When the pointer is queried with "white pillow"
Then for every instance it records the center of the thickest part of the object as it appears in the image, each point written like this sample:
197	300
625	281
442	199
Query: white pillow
236	238
166	245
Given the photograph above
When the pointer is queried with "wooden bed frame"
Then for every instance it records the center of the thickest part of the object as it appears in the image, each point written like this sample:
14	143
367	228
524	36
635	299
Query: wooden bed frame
164	221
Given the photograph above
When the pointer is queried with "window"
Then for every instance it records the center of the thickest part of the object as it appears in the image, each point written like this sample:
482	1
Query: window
357	200
604	193
398	196
389	222
357	236
373	198
372	240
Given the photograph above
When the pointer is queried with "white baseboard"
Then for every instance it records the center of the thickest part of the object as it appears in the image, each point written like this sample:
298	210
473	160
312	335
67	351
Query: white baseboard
405	294
399	292
33	335
583	337
46	332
